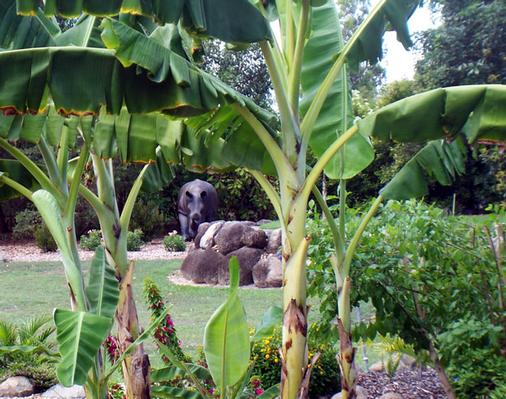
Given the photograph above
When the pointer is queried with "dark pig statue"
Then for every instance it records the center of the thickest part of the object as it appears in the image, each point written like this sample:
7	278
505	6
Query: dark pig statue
197	203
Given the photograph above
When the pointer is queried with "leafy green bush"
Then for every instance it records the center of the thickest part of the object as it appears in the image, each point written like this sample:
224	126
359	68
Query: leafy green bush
470	350
422	271
44	239
174	243
28	349
91	241
134	240
325	379
149	218
27	221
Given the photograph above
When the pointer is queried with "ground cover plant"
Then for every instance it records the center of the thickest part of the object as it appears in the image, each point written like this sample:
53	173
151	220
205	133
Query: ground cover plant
166	81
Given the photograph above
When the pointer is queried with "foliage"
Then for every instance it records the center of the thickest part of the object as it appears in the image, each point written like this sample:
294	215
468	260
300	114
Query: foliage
324	376
44	239
135	240
174	243
28	349
165	332
419	269
27	221
471	350
91	241
148	218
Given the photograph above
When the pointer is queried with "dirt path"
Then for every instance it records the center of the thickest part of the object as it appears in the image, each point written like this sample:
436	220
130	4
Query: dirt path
29	252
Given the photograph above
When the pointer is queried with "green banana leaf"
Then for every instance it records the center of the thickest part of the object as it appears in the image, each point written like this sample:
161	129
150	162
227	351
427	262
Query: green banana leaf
171	373
22	32
226	339
336	115
391	15
79	336
479	112
48	208
271	393
235	21
270	320
103	289
437	161
15	171
28	349
166	391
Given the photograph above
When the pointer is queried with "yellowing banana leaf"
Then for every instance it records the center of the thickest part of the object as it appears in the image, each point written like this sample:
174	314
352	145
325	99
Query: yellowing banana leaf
235	21
390	15
437	161
336	115
477	111
79	336
103	289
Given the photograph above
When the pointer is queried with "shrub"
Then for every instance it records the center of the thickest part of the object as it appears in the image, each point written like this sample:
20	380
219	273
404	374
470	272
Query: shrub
149	218
174	243
325	378
44	239
36	360
27	221
90	241
134	240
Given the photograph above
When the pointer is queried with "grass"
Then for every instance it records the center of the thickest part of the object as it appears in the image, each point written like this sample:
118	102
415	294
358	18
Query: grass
33	289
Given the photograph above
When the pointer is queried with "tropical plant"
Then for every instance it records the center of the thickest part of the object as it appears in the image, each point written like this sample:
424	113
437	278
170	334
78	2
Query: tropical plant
90	241
174	242
145	68
134	240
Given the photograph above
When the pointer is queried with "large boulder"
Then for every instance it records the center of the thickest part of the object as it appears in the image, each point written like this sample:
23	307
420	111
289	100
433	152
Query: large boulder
203	265
229	238
391	395
274	241
360	391
207	240
200	232
16	386
254	238
268	272
247	257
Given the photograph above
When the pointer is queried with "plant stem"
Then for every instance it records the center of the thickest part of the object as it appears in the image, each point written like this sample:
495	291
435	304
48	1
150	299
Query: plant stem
16	186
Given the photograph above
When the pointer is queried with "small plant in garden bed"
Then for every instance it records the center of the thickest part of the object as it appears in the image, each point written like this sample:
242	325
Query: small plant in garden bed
44	239
174	243
28	350
135	240
91	241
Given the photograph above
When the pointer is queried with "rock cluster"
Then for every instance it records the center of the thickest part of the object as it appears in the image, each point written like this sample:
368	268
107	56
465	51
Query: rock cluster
256	250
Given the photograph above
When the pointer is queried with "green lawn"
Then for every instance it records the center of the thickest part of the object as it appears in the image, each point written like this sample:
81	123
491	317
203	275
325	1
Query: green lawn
31	289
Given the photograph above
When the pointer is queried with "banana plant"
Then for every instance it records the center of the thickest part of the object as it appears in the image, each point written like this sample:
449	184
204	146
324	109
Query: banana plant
308	64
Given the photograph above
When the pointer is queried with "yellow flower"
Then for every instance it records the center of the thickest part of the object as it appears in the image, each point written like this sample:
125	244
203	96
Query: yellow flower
276	360
267	342
267	356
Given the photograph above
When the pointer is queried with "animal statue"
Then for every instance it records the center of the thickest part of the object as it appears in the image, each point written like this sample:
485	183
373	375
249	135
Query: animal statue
197	203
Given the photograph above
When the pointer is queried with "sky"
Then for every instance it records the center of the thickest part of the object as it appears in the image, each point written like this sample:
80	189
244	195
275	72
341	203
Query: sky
399	63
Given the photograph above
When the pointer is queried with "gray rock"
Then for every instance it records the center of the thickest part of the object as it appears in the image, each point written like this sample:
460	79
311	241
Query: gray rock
360	391
229	238
61	392
391	395
207	240
268	272
202	266
247	257
274	241
407	362
16	386
254	238
200	232
378	366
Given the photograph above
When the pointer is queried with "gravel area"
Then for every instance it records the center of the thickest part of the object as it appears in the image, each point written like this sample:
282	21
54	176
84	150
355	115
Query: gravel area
410	384
29	252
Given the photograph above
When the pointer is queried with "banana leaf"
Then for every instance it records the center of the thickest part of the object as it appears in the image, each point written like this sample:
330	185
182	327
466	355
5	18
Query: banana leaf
336	115
235	21
14	170
479	112
438	161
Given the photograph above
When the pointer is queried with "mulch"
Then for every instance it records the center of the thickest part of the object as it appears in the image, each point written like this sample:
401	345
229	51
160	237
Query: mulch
409	383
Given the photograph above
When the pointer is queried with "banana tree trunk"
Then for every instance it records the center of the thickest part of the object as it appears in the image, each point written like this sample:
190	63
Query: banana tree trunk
135	366
294	340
